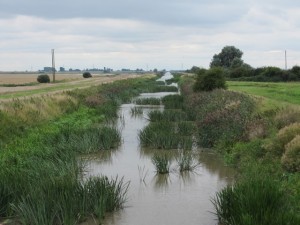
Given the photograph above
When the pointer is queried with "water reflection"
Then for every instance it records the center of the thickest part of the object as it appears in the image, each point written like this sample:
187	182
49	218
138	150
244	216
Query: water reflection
161	181
211	162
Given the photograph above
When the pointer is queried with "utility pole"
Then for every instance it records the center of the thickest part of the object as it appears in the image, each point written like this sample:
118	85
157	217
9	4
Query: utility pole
285	60
53	65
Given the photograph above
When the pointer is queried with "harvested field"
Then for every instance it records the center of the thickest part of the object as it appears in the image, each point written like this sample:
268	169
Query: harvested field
25	78
72	81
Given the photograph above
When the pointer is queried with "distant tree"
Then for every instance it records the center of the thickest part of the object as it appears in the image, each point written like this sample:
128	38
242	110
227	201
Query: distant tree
195	69
296	70
227	57
87	75
236	62
210	80
43	78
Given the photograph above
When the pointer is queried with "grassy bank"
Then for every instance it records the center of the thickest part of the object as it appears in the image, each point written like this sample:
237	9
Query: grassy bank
41	138
260	138
288	92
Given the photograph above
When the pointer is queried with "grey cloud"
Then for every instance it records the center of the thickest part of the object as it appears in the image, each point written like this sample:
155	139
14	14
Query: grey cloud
165	12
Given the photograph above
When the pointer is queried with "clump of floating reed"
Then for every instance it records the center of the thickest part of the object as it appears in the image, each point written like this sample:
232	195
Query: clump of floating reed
161	163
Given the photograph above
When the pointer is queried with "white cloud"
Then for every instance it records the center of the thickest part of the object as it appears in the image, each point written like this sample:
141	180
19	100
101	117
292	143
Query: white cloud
133	34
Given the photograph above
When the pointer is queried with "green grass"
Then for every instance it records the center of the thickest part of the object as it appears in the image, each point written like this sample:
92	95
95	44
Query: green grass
283	92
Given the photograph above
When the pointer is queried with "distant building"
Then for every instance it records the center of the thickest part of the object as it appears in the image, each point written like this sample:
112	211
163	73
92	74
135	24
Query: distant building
47	69
62	69
74	70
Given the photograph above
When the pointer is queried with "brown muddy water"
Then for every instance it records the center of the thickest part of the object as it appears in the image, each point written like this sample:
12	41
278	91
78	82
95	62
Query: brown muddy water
173	199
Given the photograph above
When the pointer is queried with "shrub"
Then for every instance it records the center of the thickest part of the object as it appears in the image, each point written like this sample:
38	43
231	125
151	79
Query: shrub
287	116
43	78
291	158
87	75
283	137
210	80
241	71
286	134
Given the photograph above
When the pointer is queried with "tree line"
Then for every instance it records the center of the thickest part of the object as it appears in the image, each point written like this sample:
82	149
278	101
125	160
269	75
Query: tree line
230	64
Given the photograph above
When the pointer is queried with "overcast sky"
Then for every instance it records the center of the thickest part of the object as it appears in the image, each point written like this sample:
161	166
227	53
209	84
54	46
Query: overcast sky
163	34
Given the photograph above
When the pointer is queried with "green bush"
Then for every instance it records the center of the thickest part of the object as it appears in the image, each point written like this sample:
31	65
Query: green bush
87	75
210	80
43	78
291	158
240	71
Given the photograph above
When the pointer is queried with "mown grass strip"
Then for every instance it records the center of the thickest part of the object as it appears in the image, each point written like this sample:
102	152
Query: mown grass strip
284	92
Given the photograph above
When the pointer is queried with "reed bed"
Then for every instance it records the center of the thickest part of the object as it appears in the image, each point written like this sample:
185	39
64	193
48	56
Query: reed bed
173	101
164	135
147	101
72	202
163	89
136	111
171	115
257	200
90	140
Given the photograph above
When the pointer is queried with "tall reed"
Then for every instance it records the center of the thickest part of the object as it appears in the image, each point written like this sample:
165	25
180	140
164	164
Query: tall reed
167	115
147	101
173	101
161	163
257	200
186	162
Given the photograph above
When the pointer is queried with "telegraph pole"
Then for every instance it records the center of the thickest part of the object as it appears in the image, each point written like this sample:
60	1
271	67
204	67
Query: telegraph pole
53	65
285	60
